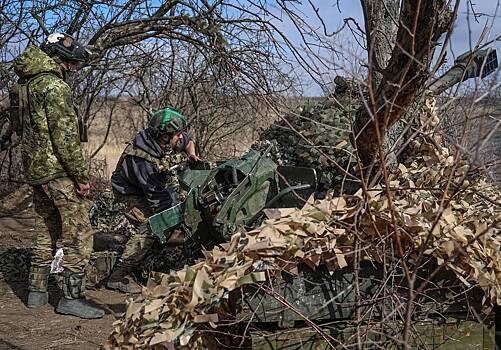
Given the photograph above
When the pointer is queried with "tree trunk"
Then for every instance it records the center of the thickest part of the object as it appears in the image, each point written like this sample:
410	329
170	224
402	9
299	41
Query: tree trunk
421	25
381	25
381	20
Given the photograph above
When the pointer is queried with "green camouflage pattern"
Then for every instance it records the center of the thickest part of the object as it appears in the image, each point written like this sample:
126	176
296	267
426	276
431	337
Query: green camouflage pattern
105	214
108	216
167	257
136	249
62	217
100	266
168	120
15	267
73	285
51	145
318	135
38	278
15	264
138	244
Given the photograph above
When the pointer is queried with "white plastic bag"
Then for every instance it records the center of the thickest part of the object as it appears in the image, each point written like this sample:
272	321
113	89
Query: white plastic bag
55	265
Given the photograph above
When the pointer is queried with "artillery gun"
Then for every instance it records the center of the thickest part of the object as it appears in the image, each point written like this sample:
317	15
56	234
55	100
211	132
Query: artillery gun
232	195
327	124
218	200
235	193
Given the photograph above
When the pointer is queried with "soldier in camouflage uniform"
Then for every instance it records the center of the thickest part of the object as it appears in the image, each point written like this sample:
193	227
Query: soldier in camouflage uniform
54	166
144	181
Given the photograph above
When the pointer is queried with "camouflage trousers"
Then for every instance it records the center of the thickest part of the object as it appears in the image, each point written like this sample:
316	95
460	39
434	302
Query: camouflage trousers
138	245
61	221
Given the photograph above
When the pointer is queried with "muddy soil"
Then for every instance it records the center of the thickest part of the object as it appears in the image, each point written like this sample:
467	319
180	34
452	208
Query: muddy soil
27	329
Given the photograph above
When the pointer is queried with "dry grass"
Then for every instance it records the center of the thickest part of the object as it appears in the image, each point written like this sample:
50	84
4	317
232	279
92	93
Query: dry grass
127	119
104	162
105	147
475	130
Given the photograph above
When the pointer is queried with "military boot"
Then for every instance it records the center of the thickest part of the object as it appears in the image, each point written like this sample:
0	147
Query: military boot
73	301
37	286
121	280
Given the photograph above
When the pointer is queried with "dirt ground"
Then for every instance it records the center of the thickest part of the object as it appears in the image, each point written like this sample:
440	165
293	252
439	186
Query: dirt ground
27	329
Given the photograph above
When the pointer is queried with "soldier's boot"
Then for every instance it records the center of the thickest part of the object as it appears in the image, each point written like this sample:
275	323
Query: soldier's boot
37	286
73	301
121	280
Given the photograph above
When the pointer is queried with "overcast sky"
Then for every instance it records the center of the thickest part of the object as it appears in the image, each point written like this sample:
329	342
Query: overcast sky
467	29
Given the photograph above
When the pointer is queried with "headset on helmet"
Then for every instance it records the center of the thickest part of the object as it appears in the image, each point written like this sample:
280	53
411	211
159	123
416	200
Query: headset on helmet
65	47
166	121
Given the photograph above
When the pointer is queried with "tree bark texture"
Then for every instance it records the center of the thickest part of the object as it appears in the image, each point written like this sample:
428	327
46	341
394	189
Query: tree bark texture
381	25
421	23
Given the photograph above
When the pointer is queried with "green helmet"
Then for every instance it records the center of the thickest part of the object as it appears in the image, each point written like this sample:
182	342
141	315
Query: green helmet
166	121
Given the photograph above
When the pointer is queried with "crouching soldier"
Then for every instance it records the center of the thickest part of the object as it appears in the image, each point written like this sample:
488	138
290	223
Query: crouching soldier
141	183
45	119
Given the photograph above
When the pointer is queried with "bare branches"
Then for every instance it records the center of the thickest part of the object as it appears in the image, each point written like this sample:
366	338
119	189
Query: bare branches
80	17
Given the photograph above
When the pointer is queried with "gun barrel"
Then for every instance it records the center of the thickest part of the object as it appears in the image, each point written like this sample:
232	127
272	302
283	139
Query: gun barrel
469	65
453	76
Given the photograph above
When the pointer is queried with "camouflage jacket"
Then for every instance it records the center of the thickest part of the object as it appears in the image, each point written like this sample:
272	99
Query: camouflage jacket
51	145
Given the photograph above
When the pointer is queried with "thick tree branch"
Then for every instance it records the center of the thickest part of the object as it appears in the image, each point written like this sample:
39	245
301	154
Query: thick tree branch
421	25
381	25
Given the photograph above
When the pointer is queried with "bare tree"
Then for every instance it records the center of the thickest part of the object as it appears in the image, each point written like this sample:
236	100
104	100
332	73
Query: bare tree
200	57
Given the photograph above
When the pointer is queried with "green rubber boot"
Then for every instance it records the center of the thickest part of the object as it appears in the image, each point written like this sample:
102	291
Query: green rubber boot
37	286
73	301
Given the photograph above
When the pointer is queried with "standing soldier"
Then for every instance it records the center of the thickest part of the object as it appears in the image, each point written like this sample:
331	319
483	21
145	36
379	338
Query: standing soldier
143	183
44	116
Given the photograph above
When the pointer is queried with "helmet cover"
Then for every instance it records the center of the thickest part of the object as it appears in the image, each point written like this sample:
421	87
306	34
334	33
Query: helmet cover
65	47
167	121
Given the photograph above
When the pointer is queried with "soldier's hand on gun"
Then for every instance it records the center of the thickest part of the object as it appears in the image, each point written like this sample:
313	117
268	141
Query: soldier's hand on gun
83	189
193	158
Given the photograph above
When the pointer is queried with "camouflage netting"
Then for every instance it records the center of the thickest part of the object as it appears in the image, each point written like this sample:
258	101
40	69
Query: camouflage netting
15	264
164	258
108	216
317	135
431	209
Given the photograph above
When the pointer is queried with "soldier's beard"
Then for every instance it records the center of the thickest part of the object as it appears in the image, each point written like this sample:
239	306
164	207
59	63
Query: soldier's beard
173	142
171	145
177	146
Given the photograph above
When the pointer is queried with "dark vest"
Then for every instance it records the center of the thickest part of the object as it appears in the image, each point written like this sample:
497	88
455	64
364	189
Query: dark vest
163	164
